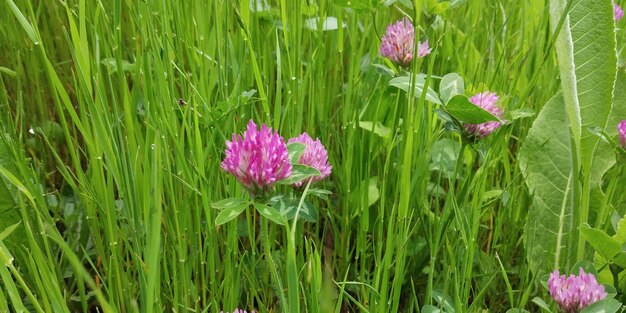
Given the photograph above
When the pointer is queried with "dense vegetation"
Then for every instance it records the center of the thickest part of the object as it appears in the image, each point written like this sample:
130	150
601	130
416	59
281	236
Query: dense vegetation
115	116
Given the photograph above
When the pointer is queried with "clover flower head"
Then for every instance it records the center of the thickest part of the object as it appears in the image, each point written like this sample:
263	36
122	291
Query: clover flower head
397	43
258	160
314	155
618	13
574	293
621	129
487	101
238	311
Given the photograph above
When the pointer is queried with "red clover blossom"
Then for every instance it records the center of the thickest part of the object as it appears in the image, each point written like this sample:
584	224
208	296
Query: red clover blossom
487	101
397	43
314	155
618	13
259	159
621	129
575	293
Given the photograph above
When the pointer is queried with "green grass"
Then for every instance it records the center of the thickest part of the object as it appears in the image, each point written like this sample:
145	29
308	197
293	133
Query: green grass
116	114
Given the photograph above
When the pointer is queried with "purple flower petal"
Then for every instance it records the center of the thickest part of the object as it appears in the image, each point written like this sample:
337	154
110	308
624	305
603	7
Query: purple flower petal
574	293
398	41
487	101
314	155
259	159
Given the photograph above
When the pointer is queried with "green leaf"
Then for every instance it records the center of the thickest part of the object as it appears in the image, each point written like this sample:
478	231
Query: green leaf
444	300
287	207
522	113
376	127
359	5
443	156
295	150
585	265
228	203
7	231
404	83
603	306
431	309
9	211
542	304
604	244
451	85
460	107
230	213
545	160
299	173
587	63
271	213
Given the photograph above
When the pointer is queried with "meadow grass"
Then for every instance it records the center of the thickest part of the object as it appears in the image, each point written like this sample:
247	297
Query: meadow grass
116	115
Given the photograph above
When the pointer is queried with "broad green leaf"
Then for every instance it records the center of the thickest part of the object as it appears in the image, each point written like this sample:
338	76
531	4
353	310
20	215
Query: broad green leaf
451	85
287	207
376	127
404	83
460	107
300	172
431	309
604	244
587	63
230	213
522	113
228	203
444	300
542	304
585	265
603	306
443	157
585	48
295	151
545	159
271	213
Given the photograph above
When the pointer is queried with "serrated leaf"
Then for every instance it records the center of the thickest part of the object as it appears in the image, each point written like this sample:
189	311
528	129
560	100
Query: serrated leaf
230	213
270	213
228	203
461	108
451	85
404	83
295	150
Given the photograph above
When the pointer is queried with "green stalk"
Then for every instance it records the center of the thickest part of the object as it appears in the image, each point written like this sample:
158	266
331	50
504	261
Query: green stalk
278	285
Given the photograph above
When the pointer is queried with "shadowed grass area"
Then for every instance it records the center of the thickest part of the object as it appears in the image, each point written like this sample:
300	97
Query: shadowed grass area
116	115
